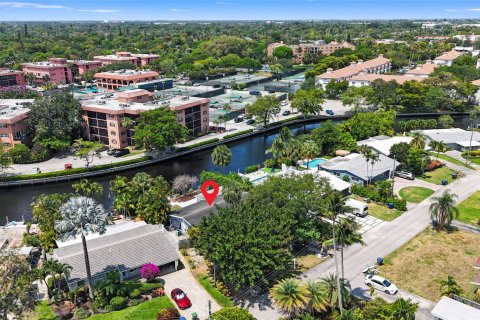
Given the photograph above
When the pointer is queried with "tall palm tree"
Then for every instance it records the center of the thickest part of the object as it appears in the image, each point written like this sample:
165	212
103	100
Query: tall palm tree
87	188
336	288
290	295
375	157
404	309
317	297
348	235
418	141
450	286
336	206
280	143
437	146
221	156
367	153
309	150
443	210
82	216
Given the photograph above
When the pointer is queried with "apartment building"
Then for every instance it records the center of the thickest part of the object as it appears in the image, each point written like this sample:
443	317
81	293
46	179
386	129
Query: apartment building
82	66
422	70
13	128
137	59
103	115
113	80
11	78
378	65
447	58
364	79
55	70
316	47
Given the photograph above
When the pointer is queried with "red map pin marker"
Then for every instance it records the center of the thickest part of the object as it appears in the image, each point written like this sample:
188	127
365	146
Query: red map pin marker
210	196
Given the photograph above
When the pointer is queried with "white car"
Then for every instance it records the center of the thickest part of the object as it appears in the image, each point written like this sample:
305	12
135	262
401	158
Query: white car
381	284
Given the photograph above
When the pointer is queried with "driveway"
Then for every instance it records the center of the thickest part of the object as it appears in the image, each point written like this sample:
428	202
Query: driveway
184	280
402	183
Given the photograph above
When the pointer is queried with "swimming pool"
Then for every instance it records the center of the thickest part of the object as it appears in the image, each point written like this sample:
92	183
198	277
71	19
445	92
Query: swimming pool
313	163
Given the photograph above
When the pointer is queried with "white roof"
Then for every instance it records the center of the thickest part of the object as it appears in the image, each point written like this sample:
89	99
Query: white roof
383	144
335	182
449	309
467	143
452	135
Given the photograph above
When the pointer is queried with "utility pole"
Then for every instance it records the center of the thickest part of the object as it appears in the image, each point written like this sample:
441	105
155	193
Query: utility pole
393	171
209	309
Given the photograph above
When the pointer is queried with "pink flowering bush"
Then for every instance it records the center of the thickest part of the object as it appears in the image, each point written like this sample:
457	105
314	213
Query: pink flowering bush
149	271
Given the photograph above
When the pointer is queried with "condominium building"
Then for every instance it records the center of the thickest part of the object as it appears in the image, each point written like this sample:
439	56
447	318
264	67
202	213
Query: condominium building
103	115
113	80
422	70
137	59
54	70
467	37
364	79
316	47
11	78
378	65
82	66
447	58
13	128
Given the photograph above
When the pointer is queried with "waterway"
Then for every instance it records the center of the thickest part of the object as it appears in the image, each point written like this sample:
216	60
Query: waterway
15	202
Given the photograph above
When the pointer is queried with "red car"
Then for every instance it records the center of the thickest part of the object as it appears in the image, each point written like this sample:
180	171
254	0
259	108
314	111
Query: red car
180	299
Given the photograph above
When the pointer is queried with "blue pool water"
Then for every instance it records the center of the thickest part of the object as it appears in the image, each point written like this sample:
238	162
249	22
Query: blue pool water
313	163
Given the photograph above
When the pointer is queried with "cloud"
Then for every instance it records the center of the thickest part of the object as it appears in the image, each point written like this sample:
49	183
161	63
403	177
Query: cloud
180	10
31	5
100	10
451	10
474	9
220	3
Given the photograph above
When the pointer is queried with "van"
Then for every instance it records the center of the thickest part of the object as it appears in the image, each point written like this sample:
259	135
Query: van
358	208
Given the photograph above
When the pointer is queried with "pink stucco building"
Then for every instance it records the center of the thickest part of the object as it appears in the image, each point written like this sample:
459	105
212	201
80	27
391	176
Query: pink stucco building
112	80
11	78
82	66
13	128
56	69
103	115
137	59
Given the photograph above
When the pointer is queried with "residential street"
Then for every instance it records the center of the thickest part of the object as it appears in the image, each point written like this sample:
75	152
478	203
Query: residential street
381	240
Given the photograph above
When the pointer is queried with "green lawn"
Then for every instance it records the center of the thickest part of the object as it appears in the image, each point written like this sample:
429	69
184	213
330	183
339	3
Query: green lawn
221	299
436	176
475	160
43	312
146	310
450	159
382	212
415	194
469	209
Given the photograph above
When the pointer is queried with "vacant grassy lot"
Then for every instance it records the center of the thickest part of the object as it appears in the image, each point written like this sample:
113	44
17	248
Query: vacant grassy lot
470	209
420	264
308	261
382	212
146	310
436	176
415	194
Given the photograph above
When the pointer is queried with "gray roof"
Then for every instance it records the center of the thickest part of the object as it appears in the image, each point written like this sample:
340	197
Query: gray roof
356	164
124	250
452	135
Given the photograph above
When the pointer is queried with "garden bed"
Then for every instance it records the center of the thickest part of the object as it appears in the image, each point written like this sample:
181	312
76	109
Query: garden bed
145	310
415	194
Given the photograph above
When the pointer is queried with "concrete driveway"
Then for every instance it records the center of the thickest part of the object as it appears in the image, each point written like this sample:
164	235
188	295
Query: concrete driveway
403	183
184	280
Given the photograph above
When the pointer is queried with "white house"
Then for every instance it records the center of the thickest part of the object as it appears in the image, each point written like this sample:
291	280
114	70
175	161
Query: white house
450	309
383	144
447	58
454	138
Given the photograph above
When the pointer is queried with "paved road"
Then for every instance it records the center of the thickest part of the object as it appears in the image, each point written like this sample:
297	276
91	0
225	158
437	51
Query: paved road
381	240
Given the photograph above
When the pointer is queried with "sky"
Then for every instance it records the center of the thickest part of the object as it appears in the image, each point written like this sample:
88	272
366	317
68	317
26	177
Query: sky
54	10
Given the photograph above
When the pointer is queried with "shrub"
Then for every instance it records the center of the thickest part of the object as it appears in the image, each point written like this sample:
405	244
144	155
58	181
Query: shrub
82	313
64	313
134	302
399	204
196	145
117	303
135	293
81	295
236	134
232	313
183	183
149	271
252	168
433	164
158	292
20	154
168	314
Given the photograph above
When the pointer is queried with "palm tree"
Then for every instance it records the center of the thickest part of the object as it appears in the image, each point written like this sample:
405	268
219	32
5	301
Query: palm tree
55	269
336	206
335	288
309	150
348	235
82	216
317	297
290	295
87	188
437	146
367	153
280	143
375	157
450	286
232	193
221	156
404	309
418	141
443	210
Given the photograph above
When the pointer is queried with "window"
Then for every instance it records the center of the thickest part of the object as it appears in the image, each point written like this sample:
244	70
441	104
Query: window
114	141
3	125
205	112
113	133
3	135
112	124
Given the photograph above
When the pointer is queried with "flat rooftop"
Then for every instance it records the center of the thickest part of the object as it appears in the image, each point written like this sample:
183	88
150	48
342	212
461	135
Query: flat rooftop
188	90
452	135
43	64
4	71
12	110
238	78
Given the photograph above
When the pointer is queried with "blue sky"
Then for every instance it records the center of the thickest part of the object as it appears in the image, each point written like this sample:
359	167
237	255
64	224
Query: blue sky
28	10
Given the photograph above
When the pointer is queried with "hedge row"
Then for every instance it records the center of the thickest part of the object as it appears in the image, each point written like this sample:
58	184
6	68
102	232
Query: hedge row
286	120
197	145
228	136
72	171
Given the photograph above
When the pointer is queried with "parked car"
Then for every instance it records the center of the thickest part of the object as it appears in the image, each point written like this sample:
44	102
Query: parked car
181	299
35	170
405	175
110	152
250	121
68	166
381	284
120	152
358	208
238	119
255	92
330	112
284	103
286	113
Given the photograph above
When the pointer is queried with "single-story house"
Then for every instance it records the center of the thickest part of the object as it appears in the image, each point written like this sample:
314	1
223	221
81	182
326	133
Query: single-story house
126	248
454	138
354	167
450	309
382	144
